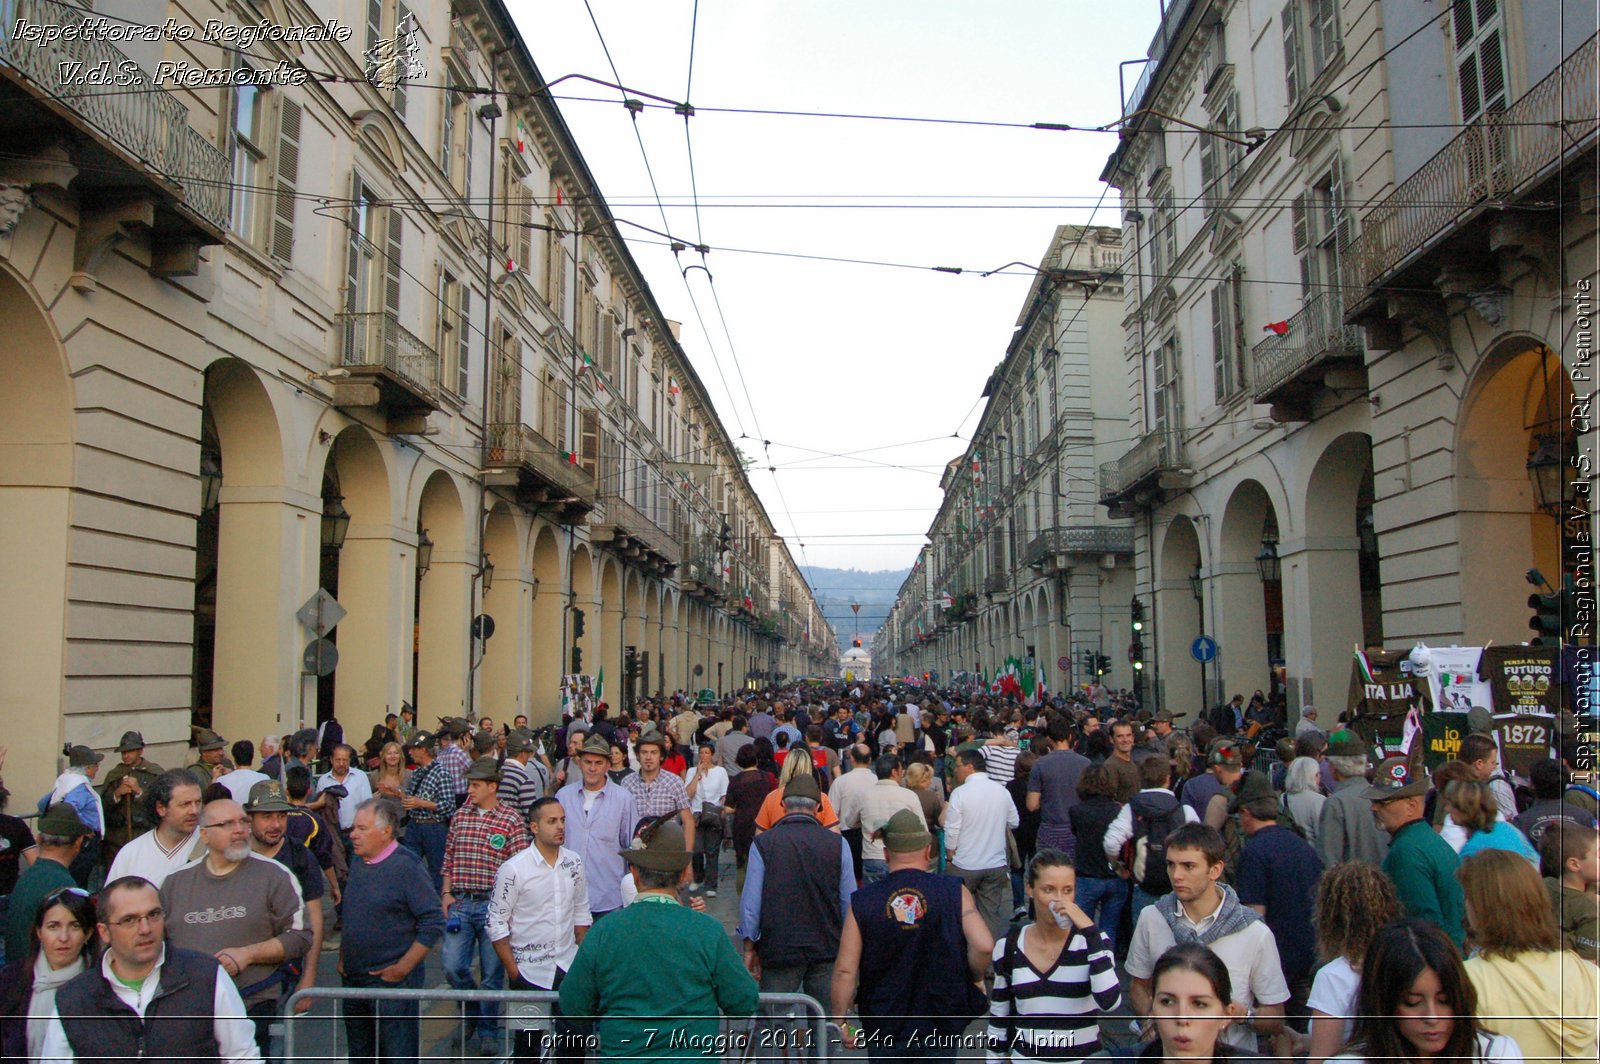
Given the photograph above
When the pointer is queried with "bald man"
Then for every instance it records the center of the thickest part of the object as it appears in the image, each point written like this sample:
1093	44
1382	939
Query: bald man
240	907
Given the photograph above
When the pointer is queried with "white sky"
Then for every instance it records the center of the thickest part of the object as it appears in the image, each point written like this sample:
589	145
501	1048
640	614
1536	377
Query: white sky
839	357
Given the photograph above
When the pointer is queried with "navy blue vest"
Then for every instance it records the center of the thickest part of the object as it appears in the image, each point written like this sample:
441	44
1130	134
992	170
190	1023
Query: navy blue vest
913	956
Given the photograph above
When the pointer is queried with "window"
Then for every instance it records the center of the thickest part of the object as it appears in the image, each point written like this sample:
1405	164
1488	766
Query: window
1220	155
516	216
1167	407
507	400
455	138
455	331
1164	242
1311	41
1480	60
589	442
1321	230
248	138
388	21
1227	349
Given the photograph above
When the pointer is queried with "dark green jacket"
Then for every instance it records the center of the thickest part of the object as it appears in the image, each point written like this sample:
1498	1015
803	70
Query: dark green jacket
653	1007
1423	867
1577	913
125	819
41	879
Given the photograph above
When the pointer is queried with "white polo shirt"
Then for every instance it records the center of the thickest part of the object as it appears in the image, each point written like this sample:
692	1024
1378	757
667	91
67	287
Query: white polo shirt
147	858
537	905
975	823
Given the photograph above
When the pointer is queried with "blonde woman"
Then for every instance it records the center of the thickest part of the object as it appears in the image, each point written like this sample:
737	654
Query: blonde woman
389	778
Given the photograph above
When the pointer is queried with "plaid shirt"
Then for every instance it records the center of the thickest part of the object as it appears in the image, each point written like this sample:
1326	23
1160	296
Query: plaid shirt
431	784
478	844
455	763
658	798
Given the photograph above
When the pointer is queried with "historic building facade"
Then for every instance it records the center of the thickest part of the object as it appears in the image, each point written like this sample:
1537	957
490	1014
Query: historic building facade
375	334
1358	242
1021	561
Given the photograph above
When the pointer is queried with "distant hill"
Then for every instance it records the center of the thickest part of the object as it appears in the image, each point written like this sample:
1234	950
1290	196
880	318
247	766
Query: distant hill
836	589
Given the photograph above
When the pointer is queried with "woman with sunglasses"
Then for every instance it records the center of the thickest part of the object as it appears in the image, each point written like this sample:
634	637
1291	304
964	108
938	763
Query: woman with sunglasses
60	946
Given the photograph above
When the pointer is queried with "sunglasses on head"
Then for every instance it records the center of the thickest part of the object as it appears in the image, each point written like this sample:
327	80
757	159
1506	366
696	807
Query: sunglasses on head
56	895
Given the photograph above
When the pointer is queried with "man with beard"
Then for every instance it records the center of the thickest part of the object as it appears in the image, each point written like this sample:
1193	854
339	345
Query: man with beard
269	824
241	908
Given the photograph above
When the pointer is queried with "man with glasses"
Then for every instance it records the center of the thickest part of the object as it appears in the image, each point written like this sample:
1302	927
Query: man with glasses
199	1010
241	908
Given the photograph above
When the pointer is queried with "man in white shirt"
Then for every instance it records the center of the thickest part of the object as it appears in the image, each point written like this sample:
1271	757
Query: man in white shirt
1202	909
539	913
847	793
173	802
357	789
975	824
886	798
243	777
182	998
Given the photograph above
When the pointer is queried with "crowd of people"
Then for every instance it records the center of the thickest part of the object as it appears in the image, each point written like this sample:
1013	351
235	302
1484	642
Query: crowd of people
1087	877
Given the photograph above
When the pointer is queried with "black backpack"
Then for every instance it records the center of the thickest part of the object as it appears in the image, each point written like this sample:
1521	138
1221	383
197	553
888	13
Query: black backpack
1147	853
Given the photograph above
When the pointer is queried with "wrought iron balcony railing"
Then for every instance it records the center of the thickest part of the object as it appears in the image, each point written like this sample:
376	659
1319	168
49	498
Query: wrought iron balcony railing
378	341
642	534
1315	335
515	455
1079	539
1497	158
1155	453
146	123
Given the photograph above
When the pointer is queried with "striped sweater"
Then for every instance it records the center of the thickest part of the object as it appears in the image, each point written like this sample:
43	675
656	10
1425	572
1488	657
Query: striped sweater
1052	1015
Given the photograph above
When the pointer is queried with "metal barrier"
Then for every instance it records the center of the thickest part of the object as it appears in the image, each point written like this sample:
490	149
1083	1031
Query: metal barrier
784	1027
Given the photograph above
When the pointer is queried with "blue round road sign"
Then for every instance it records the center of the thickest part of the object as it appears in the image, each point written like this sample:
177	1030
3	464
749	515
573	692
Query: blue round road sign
1203	649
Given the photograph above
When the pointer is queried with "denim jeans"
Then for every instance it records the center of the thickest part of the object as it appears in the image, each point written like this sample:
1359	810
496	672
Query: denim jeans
482	1018
873	870
384	1032
1140	901
707	852
427	842
1102	900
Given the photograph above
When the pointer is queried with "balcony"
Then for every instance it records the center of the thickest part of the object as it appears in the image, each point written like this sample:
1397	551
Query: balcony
135	162
1051	548
1154	466
1318	352
387	369
634	536
701	574
996	584
543	478
1407	239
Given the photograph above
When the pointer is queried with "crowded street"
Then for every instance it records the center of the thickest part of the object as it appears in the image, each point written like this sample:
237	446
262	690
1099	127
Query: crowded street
709	530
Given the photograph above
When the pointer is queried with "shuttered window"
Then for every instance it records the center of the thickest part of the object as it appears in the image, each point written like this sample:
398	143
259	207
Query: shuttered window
1289	24
589	442
286	178
248	141
1480	57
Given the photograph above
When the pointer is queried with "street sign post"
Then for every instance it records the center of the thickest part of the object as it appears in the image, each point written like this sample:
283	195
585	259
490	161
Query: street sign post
321	612
1203	650
321	658
1064	663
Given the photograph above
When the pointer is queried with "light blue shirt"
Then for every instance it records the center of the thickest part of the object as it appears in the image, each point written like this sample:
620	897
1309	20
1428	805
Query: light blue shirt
755	876
599	835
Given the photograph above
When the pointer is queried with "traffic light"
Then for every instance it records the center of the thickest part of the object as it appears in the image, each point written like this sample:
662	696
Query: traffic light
630	661
577	624
577	660
1547	620
1102	664
1089	662
725	538
1136	608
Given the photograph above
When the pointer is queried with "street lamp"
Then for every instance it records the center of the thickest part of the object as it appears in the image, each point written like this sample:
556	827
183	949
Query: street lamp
424	553
1267	563
1196	584
486	572
335	523
1552	478
210	481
